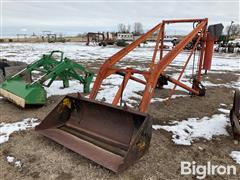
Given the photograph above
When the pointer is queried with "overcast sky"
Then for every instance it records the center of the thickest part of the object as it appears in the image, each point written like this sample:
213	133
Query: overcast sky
72	17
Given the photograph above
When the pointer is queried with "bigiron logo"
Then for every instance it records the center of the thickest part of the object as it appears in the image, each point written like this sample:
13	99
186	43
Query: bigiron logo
201	171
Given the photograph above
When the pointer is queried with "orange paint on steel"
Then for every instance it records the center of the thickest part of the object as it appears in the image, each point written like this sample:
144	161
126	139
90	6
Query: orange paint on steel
116	57
153	74
162	35
180	84
121	88
200	62
165	61
185	65
184	21
209	52
159	37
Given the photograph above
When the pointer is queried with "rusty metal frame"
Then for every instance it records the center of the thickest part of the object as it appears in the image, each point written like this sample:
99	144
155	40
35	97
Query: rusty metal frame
155	68
235	115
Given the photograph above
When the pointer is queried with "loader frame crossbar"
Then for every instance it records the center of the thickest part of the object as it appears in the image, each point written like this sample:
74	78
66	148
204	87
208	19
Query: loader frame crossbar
156	68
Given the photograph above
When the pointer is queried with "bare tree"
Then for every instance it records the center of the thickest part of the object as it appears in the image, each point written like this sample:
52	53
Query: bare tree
122	28
129	28
137	28
233	29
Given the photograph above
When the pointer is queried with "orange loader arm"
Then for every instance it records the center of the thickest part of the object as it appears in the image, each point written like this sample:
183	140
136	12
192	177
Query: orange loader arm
155	69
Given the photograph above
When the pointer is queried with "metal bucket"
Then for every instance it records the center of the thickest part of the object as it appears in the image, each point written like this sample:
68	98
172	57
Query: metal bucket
110	136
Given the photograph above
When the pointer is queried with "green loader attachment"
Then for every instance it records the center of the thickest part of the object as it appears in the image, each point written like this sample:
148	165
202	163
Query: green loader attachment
22	92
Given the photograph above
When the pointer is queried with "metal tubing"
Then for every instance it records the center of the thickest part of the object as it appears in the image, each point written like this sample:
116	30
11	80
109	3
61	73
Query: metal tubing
185	65
184	21
200	62
153	74
180	84
165	61
121	88
156	48
162	35
117	57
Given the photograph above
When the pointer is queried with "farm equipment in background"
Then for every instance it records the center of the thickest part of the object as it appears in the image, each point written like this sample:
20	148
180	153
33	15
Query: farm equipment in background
227	43
23	93
102	39
122	43
115	137
235	115
52	38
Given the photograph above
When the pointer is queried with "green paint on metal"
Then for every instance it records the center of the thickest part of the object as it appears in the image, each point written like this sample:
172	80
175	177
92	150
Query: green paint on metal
34	94
49	69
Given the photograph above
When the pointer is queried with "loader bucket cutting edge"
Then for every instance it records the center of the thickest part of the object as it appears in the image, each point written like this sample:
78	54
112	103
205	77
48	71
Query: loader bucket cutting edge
18	91
108	135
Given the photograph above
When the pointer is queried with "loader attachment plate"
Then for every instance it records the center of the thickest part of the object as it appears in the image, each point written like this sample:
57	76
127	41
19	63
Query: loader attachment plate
108	135
19	92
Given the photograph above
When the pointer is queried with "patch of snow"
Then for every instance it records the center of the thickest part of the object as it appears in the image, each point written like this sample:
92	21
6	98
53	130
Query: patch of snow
111	85
107	93
13	160
81	53
224	110
56	88
228	85
224	105
8	128
10	159
165	99
185	132
18	164
236	156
